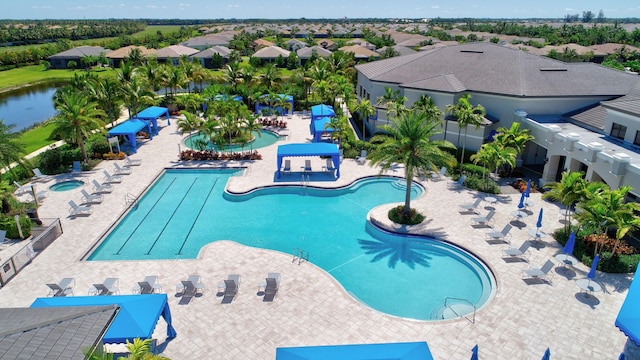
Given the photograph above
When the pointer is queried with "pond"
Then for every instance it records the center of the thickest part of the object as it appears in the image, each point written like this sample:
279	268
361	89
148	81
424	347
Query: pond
28	106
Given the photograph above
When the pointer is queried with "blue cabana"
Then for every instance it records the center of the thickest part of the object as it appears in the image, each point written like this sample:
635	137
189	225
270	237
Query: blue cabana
312	149
225	97
137	317
319	127
320	111
129	129
628	320
399	351
152	114
263	103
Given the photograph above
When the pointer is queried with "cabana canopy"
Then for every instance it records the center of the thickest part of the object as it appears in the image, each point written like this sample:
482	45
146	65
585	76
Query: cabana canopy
399	351
137	317
319	127
313	149
320	111
628	320
224	97
129	129
152	114
263	103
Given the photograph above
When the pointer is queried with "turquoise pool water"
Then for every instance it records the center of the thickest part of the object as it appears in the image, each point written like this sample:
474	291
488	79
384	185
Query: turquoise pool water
399	275
265	138
66	185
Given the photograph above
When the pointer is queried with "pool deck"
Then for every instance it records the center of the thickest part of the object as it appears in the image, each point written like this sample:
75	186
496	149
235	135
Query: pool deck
520	322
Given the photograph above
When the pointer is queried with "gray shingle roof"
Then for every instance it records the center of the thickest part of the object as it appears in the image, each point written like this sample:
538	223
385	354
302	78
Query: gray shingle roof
175	51
306	52
80	51
593	117
271	52
52	333
629	103
207	53
490	68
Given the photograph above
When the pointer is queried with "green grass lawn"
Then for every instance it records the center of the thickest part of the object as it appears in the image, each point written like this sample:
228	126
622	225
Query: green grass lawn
36	138
38	73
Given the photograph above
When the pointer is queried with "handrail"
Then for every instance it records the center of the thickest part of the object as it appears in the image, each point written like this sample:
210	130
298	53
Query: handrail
473	320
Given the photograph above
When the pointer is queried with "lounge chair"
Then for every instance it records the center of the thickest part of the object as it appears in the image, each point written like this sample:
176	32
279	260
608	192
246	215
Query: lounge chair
3	236
22	189
439	175
79	210
63	288
90	198
108	287
38	175
231	286
101	188
502	236
272	284
457	184
307	165
360	160
77	167
329	165
149	285
108	178
486	220
535	272
471	207
190	287
522	252
121	170
287	165
128	162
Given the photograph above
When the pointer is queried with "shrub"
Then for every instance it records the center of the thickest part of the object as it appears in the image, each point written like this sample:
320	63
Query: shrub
8	223
113	156
397	215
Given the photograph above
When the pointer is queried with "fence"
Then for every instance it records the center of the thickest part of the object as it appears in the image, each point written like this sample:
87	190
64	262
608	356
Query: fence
41	237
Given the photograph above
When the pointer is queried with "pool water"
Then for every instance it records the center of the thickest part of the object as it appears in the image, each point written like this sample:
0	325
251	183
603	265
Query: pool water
66	185
399	275
261	139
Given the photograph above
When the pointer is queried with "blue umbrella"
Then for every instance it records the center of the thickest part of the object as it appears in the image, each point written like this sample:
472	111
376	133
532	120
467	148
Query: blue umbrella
592	272
568	247
521	204
474	353
547	355
539	223
528	191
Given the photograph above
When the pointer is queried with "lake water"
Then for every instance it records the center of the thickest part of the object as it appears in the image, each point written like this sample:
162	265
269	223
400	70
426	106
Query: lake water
28	106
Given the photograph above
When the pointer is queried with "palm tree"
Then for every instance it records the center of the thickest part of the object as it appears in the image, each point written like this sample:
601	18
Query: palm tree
513	137
408	142
568	191
107	92
366	110
427	105
466	114
188	124
492	156
252	126
11	149
78	117
136	93
270	77
389	96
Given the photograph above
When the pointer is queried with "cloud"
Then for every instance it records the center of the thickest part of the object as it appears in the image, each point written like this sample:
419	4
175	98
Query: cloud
569	9
152	6
233	6
41	7
184	5
435	7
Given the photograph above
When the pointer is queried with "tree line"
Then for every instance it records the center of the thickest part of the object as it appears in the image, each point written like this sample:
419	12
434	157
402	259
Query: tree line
40	31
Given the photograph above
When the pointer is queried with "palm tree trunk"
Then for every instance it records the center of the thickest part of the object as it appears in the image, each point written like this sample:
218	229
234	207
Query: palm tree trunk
407	195
464	145
81	144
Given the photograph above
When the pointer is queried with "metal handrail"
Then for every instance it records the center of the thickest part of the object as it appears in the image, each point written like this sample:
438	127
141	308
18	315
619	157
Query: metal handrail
473	320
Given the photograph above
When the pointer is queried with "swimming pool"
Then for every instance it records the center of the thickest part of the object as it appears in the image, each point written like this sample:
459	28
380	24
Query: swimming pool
399	275
265	138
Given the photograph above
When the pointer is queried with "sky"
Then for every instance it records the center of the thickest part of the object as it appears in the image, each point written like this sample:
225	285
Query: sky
242	9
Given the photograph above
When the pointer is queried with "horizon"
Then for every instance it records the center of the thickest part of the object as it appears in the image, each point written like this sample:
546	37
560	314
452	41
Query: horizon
329	10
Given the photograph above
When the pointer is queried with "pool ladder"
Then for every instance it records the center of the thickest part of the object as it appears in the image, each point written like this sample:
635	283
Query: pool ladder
458	301
300	255
304	183
130	199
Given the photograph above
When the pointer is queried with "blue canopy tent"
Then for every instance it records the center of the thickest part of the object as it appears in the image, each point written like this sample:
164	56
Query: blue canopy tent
399	351
129	129
137	317
313	149
263	103
224	97
321	111
319	127
628	320
152	114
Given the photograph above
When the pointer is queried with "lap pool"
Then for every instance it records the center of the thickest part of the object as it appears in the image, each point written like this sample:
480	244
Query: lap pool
403	276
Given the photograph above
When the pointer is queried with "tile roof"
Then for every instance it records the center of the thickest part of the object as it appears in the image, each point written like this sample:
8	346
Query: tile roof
271	52
491	68
209	40
207	53
123	52
52	333
594	117
401	50
629	103
359	51
306	52
80	51
175	51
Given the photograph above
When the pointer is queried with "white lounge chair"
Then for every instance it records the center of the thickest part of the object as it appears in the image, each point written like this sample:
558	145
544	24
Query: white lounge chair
486	220
121	170
362	158
63	288
439	175
90	198
535	272
307	165
101	188
521	252
108	178
190	287
22	189
502	236
287	165
79	210
38	175
108	287
131	162
471	207
457	184
149	285
329	165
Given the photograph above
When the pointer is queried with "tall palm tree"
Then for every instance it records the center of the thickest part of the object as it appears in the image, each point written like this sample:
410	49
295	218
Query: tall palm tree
513	137
137	93
466	114
188	124
252	125
11	149
408	142
107	92
427	105
567	191
78	117
492	155
366	110
270	77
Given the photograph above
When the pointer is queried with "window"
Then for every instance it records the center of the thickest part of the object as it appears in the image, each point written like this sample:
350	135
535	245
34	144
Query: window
636	141
618	131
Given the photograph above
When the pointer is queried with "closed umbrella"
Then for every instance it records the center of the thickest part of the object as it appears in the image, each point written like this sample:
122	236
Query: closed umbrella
474	353
521	203
539	223
528	191
547	355
592	272
568	247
